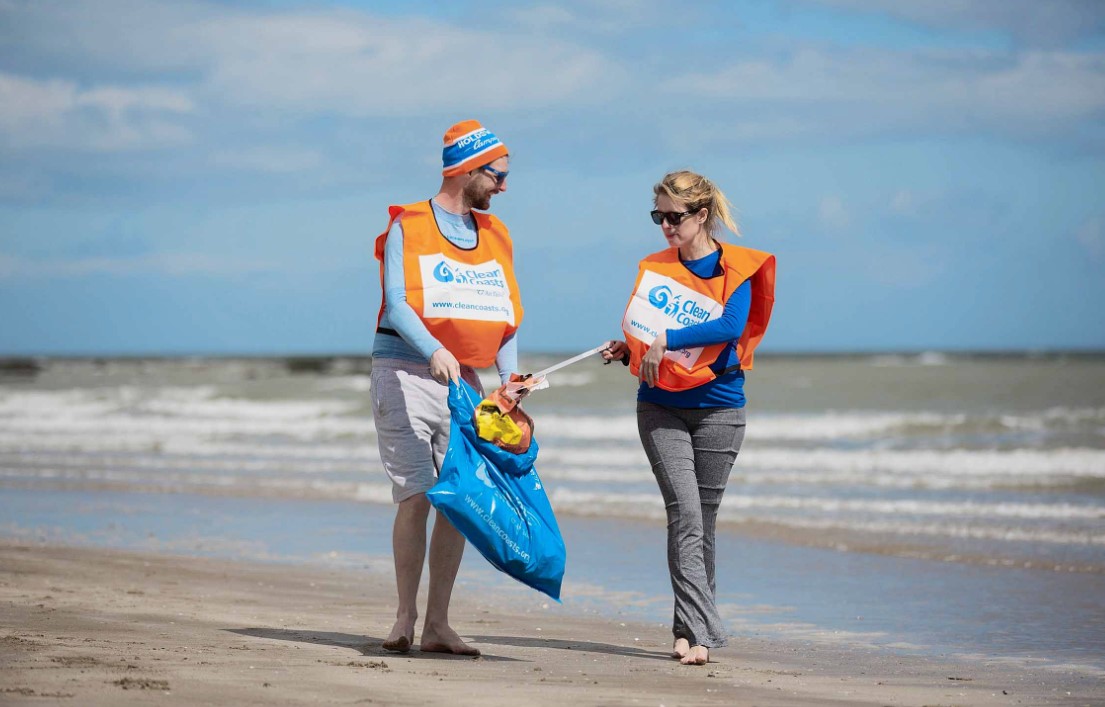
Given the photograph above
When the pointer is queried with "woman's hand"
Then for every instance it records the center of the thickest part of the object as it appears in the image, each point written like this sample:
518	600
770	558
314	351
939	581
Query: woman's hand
615	351
444	366
650	364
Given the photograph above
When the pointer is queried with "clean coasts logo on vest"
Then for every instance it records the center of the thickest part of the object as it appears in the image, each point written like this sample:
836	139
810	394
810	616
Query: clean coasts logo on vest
685	311
661	303
443	273
456	290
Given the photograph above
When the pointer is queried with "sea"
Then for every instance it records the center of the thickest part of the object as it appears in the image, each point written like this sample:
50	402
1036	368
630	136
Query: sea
941	503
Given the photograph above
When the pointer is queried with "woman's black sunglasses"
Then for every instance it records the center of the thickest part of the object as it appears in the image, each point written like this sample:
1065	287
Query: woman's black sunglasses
672	217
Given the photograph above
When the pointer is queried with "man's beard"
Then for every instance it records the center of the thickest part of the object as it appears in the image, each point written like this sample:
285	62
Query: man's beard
477	198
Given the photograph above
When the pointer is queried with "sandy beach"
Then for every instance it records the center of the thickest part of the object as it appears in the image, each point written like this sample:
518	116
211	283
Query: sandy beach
89	626
218	532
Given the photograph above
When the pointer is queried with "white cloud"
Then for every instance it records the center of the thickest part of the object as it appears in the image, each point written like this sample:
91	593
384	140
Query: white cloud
601	17
157	74
832	213
863	92
132	38
355	65
23	183
1091	236
903	203
1045	23
751	127
271	159
543	16
57	113
323	62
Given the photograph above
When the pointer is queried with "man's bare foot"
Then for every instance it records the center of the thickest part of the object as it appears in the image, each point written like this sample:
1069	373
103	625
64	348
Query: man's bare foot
401	637
398	645
680	648
698	655
445	640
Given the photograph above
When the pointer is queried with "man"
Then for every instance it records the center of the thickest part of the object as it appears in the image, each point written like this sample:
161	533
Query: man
450	305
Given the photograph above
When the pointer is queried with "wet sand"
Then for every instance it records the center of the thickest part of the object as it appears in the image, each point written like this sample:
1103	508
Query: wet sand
82	626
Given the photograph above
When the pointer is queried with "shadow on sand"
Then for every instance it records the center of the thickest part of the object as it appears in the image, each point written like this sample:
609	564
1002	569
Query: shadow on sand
365	645
372	646
565	645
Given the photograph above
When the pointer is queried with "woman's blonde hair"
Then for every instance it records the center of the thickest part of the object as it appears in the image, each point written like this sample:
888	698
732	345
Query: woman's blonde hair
698	192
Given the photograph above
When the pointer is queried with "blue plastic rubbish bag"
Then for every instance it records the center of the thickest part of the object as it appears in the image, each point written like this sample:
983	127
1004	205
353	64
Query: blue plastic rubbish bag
497	501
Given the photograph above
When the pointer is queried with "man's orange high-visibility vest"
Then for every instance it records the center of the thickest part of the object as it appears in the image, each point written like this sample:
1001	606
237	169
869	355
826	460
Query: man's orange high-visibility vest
467	298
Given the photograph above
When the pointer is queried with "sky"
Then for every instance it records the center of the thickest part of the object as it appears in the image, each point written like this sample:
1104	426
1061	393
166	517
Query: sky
181	177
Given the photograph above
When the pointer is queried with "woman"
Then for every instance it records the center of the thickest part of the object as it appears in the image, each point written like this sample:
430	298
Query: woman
698	310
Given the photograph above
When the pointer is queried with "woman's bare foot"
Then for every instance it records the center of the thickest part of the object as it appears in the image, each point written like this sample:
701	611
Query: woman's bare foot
443	639
680	648
401	637
698	655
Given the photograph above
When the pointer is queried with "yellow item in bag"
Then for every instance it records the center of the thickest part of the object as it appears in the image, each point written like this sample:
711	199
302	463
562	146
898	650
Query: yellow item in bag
496	426
499	418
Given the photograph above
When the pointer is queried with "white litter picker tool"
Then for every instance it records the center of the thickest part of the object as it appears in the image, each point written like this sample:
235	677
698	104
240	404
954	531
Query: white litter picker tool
517	390
500	419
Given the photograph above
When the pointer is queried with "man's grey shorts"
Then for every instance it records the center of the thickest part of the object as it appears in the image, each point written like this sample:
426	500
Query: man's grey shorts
412	422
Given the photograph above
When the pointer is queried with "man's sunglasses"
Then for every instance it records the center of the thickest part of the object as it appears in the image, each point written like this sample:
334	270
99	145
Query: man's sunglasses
498	176
674	218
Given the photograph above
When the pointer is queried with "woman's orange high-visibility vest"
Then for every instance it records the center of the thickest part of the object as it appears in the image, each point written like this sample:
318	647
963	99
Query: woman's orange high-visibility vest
467	298
669	296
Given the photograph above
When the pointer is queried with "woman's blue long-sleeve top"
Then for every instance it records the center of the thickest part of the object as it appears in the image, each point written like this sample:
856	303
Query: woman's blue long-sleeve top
727	390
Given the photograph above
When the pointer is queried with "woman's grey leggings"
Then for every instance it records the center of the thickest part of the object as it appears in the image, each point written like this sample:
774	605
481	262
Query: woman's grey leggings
692	452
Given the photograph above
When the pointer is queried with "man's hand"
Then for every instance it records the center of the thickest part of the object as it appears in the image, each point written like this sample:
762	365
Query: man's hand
444	366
